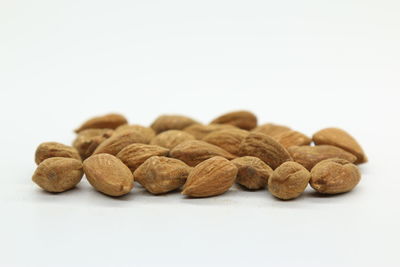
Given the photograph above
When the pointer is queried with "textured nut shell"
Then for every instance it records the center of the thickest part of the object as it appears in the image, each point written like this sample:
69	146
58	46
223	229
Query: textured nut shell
199	131
146	132
210	178
309	156
241	119
110	121
53	149
161	174
288	181
88	140
58	174
193	152
253	173
292	138
334	176
338	137
171	122
134	155
171	138
271	129
107	174
228	140
266	148
118	141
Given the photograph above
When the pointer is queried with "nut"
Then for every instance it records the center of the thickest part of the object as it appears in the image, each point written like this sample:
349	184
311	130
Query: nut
118	141
253	173
108	175
88	140
241	119
146	132
288	181
135	154
264	147
193	152
53	149
334	176
271	129
160	175
171	138
338	137
292	138
309	156
199	131
171	122
228	140
110	121
210	178
58	174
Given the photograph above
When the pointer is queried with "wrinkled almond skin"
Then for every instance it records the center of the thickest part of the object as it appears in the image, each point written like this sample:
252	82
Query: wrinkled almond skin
241	119
135	154
334	176
292	138
171	122
160	175
265	148
210	178
108	175
110	121
58	174
271	129
171	138
54	149
340	138
199	131
146	132
194	151
253	173
118	141
88	140
228	140
309	156
288	181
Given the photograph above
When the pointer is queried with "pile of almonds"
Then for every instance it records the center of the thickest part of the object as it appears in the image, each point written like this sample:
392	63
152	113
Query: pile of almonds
177	152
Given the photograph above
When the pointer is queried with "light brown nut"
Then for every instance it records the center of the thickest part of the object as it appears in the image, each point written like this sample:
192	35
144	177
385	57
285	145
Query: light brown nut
292	138
135	154
271	129
88	140
53	149
199	131
266	148
171	122
58	174
334	176
210	178
338	137
146	132
108	175
110	121
194	151
171	138
288	181
309	156
253	173
229	140
241	119
160	175
118	141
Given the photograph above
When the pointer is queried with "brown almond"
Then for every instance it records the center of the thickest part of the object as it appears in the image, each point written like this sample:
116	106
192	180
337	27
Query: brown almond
241	119
292	138
171	122
120	140
88	140
210	178
108	175
135	154
194	151
146	132
271	129
160	175
110	121
253	173
53	149
334	176
199	131
171	138
309	156
340	138
58	174
229	140
265	148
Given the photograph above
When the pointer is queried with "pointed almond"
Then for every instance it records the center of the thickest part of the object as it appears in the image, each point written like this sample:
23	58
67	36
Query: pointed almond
135	154
242	119
110	121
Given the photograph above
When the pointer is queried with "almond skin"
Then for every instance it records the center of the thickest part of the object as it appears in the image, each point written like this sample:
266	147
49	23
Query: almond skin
334	176
292	138
199	131
253	173
210	178
171	138
135	154
160	175
54	149
241	119
340	138
171	122
88	140
194	151
146	132
309	156
110	121
108	175
120	140
265	148
271	129
58	174
228	140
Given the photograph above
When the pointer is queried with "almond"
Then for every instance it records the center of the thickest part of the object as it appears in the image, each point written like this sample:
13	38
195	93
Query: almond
110	121
54	149
171	138
135	154
253	173
292	138
88	140
241	119
146	132
229	140
120	140
171	122
271	129
199	131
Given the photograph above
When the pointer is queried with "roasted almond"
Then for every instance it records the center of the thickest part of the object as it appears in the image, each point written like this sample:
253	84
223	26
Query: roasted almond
146	132
135	154
199	131
229	140
292	138
271	129
53	149
110	121
241	119
120	140
171	138
253	173
88	140
171	122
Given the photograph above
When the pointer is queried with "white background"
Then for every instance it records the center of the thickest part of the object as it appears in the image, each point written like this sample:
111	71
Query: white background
307	64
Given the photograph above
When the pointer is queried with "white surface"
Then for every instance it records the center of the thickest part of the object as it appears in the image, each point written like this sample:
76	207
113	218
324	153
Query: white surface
307	64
